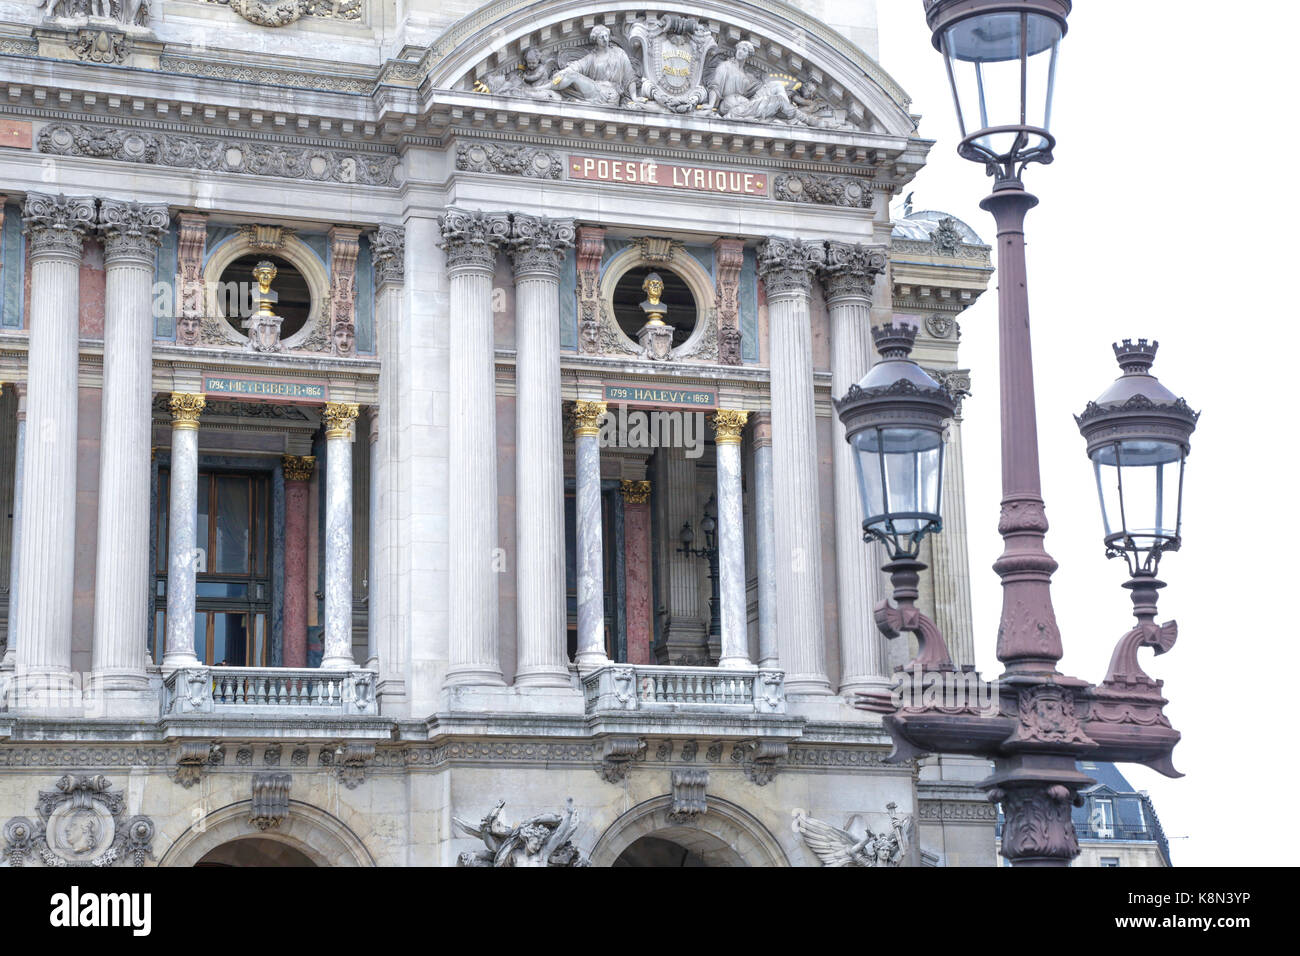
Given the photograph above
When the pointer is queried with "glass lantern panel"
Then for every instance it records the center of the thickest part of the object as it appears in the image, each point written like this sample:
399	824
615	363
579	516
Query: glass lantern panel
1138	483
899	471
870	481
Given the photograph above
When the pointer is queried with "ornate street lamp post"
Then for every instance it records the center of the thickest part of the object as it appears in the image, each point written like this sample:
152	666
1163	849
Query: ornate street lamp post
709	525
1001	60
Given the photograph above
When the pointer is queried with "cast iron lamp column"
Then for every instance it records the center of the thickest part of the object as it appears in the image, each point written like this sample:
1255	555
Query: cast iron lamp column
1042	722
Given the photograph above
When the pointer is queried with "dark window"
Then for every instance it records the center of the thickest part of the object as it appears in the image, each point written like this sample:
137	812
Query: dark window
237	293
628	297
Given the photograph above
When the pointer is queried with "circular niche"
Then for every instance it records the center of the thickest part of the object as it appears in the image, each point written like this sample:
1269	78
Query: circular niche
237	293
628	296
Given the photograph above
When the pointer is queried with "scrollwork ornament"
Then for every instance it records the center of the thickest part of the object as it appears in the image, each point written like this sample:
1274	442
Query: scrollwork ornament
471	239
388	253
131	230
57	225
823	190
269	13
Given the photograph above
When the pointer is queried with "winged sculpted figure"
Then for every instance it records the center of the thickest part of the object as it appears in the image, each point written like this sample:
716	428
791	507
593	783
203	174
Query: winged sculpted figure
542	840
836	847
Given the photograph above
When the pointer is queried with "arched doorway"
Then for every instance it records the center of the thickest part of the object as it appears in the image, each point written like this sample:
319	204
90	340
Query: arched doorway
679	846
255	851
726	835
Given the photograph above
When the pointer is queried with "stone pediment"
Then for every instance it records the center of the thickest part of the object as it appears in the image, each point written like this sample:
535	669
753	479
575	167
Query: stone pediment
705	61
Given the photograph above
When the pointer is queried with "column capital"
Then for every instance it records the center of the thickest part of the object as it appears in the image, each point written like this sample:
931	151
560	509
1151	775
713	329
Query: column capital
186	409
850	271
586	418
131	230
388	253
537	244
787	266
298	467
634	492
56	225
471	239
339	417
727	426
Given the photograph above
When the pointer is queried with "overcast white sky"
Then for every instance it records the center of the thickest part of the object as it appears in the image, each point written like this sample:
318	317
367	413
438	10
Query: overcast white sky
1170	213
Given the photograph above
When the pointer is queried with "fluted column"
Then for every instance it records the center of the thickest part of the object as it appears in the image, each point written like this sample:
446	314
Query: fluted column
591	555
787	267
131	233
182	520
17	530
55	228
848	280
728	426
297	494
339	420
373	588
537	249
471	240
765	541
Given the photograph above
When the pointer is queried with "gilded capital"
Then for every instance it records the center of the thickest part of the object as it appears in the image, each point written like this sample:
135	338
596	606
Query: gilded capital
727	426
634	492
298	467
339	417
586	418
186	409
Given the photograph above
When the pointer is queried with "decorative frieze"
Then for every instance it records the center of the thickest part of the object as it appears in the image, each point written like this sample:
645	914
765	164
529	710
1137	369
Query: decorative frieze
281	13
510	160
82	822
264	76
225	154
388	253
823	190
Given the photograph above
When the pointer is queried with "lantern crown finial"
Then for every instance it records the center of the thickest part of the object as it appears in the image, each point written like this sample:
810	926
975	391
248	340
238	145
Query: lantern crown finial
1135	359
894	341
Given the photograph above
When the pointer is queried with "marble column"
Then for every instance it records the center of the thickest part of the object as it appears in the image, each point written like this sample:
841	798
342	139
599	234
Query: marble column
182	520
765	541
339	420
17	531
537	248
591	554
131	234
373	609
848	280
388	253
55	228
728	426
787	267
297	493
471	240
636	546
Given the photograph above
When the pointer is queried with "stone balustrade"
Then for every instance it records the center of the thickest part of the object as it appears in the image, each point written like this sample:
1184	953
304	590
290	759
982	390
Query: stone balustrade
650	688
272	691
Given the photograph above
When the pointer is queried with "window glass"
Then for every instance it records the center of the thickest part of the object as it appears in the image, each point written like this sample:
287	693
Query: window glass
230	639
233	527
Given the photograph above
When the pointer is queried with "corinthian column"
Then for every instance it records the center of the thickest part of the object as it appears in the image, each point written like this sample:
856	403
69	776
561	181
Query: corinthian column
850	274
537	249
55	227
787	267
131	234
339	418
728	425
471	240
17	530
765	541
182	519
591	553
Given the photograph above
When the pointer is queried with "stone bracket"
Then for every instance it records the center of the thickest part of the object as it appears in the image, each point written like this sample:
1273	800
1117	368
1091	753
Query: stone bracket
690	799
617	755
192	758
761	759
353	762
270	799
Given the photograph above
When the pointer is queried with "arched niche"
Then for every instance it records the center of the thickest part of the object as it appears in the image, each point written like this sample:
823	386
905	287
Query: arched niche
727	835
292	250
321	837
682	264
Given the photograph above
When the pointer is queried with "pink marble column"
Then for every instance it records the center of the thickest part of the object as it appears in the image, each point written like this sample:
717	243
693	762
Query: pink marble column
636	542
297	479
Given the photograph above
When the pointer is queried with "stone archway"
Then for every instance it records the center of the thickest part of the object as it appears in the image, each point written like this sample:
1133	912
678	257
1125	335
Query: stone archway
255	851
727	835
322	838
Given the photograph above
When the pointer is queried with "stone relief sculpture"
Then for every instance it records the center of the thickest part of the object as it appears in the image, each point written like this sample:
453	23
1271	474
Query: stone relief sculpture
130	13
542	840
79	823
680	69
836	847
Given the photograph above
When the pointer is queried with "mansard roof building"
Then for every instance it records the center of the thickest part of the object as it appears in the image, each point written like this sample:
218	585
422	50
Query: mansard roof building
417	442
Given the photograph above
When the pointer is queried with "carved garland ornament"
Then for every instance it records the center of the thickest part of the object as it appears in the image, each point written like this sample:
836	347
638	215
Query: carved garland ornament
81	822
510	160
